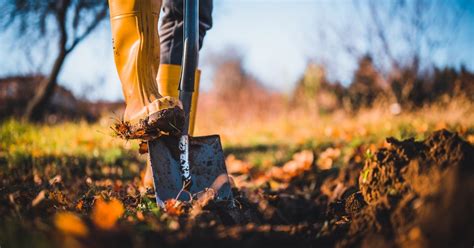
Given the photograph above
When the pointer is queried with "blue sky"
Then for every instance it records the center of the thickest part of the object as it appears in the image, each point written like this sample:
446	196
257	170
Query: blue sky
276	38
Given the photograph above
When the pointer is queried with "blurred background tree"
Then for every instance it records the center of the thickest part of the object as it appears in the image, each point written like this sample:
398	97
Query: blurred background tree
403	36
64	22
395	44
314	90
367	84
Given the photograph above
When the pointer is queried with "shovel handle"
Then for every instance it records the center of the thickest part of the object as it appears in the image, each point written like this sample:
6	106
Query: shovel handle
190	57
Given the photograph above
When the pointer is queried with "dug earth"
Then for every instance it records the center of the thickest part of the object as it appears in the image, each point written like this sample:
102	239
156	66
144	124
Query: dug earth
416	194
410	194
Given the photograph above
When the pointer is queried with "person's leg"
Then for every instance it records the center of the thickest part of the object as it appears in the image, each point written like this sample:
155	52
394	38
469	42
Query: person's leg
136	47
171	29
171	37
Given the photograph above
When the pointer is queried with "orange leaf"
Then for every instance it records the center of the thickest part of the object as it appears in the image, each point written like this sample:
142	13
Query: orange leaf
70	223
105	214
140	216
470	138
326	158
236	166
147	176
301	162
79	205
173	207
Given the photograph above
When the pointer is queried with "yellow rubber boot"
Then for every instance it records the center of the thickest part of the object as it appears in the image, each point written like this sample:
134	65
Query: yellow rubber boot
168	85
136	47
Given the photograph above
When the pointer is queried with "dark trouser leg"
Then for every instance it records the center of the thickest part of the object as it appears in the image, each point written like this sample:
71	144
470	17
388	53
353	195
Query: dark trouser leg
171	29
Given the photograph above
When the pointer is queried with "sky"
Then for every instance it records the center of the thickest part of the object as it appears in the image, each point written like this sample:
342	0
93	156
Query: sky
277	38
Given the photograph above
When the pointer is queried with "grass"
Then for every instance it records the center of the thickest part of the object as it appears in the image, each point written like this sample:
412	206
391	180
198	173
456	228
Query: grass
69	139
272	139
262	143
66	149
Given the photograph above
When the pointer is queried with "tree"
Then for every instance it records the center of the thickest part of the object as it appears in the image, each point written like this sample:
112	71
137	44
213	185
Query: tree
314	90
235	88
70	22
405	35
400	36
366	85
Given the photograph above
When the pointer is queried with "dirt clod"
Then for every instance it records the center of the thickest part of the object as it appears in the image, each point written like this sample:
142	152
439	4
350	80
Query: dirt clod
418	193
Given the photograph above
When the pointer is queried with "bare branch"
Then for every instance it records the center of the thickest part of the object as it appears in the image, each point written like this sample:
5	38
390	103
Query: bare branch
100	16
379	29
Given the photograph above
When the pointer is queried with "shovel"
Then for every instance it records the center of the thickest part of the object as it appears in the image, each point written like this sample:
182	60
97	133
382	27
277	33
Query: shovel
185	166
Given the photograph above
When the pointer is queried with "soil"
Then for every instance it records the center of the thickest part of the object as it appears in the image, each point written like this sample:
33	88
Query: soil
418	194
411	194
167	121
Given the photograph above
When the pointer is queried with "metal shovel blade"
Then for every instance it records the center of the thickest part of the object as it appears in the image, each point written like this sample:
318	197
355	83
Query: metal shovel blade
207	167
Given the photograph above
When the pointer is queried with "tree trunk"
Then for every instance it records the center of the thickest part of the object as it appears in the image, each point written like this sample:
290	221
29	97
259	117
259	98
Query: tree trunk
37	106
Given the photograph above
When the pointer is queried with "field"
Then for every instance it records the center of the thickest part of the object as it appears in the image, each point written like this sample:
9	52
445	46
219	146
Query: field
299	179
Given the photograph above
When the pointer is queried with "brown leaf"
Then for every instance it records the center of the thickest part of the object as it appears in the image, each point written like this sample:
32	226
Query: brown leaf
55	179
37	179
301	162
174	207
236	166
143	147
326	158
38	198
147	176
58	197
140	215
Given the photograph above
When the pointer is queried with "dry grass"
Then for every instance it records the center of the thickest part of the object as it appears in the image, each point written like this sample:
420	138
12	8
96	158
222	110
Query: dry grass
286	125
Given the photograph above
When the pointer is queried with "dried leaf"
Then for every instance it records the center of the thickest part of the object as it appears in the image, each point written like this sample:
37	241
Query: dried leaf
71	224
327	157
143	147
236	166
38	198
173	225
55	179
121	128
105	214
58	197
89	181
37	179
174	207
301	162
147	176
140	215
79	205
470	138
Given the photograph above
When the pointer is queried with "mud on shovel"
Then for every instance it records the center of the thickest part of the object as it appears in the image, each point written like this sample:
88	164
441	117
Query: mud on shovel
185	166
